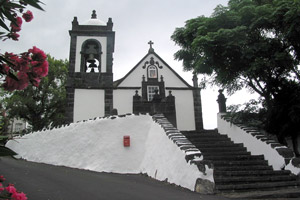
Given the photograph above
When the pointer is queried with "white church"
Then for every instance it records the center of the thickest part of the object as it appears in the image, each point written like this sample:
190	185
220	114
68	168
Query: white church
151	86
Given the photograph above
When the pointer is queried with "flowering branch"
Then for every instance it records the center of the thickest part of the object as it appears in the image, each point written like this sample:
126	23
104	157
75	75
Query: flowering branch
28	67
10	192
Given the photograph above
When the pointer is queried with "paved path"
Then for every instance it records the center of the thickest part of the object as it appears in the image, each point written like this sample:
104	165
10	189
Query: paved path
47	182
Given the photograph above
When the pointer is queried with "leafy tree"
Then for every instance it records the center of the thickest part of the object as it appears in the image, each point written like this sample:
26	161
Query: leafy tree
42	106
243	45
249	43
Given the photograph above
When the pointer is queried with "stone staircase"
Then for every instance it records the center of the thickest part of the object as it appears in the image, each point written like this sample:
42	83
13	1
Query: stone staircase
237	173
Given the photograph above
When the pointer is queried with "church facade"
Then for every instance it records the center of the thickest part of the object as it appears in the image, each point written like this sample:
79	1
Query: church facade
151	86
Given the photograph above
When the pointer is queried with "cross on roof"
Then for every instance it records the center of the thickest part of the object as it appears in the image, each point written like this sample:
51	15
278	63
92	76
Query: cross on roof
151	43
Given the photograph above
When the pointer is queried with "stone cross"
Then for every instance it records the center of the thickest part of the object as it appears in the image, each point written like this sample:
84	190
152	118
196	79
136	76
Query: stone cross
150	43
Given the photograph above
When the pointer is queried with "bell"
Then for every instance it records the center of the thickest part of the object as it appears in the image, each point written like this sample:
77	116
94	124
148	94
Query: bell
91	58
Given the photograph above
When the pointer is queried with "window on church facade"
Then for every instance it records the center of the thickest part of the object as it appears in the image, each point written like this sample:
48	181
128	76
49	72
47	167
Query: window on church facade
151	91
152	72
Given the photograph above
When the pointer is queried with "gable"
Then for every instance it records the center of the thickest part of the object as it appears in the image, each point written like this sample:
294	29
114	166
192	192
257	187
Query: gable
135	76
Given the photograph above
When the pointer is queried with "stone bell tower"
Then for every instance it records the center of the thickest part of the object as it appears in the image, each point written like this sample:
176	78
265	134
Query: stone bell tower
90	79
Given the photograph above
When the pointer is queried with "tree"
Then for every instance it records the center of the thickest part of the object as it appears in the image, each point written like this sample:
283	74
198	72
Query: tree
42	106
249	43
242	45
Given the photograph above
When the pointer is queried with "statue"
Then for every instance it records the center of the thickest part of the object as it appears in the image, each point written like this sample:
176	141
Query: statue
222	101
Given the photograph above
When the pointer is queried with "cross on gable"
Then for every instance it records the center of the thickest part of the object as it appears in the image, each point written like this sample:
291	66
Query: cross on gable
151	43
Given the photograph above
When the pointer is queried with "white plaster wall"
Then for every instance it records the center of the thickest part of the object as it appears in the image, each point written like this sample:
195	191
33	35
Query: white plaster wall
255	146
184	109
135	78
88	104
123	100
80	40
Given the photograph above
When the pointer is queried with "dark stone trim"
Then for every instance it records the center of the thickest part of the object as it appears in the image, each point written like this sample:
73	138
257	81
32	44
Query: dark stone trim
198	109
179	88
70	104
108	101
128	88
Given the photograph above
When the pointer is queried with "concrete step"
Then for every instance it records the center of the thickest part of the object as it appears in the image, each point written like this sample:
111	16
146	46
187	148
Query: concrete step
250	179
233	157
208	139
279	194
240	163
206	144
224	153
250	173
223	149
257	186
200	132
243	168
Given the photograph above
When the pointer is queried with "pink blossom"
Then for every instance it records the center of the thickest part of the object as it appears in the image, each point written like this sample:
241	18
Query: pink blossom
16	27
35	81
28	16
2	179
11	189
19	196
1	188
12	84
5	70
37	54
14	36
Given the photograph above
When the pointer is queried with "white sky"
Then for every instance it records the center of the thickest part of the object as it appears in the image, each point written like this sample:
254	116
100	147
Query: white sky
136	22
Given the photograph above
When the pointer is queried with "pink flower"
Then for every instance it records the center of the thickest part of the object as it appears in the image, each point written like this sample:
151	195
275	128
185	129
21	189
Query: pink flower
12	84
19	196
13	35
35	81
28	16
1	188
2	179
5	70
16	27
37	54
11	189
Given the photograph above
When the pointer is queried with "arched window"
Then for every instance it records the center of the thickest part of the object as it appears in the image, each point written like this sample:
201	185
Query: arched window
91	56
152	72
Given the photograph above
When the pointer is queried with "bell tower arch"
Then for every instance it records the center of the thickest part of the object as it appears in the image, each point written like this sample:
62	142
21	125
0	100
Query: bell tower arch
90	68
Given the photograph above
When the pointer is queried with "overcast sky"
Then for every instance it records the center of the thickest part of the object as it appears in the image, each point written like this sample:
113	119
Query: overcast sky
136	22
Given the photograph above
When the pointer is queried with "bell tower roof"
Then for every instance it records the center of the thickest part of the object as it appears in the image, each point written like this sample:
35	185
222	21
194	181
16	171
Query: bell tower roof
94	21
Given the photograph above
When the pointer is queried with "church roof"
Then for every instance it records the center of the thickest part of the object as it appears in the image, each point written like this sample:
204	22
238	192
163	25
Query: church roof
151	51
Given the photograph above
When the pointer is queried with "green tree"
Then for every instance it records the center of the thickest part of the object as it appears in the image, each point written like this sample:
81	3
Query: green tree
252	44
244	45
42	106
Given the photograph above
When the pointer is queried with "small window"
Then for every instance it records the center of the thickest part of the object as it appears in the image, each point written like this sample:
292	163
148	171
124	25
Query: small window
152	72
151	92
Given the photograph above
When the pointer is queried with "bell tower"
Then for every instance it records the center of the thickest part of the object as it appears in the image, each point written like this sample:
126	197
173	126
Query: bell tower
90	79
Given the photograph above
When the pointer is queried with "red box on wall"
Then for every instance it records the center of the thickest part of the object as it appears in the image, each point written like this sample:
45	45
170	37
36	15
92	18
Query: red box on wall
126	141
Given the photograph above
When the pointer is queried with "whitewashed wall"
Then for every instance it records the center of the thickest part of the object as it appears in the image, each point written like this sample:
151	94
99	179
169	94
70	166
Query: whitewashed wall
123	99
80	41
184	109
88	104
255	146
